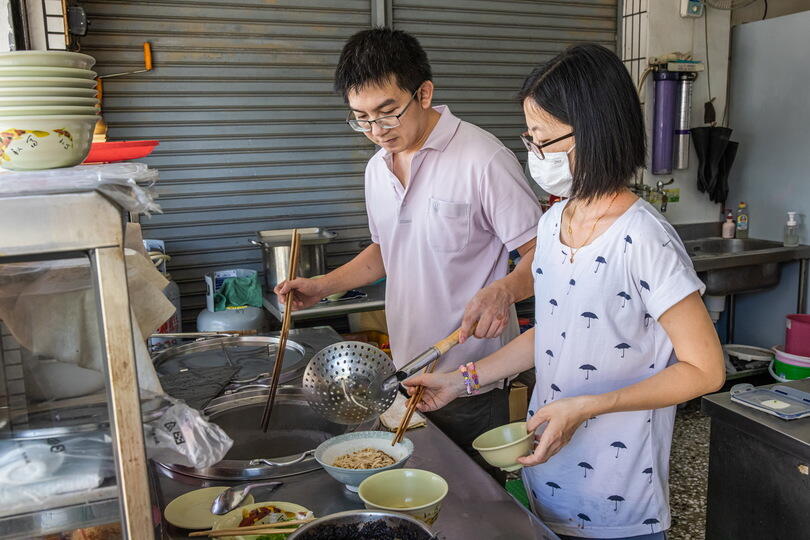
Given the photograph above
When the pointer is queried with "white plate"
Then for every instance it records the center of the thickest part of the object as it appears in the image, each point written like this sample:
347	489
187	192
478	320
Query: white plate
232	519
47	101
49	91
36	71
47	59
192	510
36	110
71	82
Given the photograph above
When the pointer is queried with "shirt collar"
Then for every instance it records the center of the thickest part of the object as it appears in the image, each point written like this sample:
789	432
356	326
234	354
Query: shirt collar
442	132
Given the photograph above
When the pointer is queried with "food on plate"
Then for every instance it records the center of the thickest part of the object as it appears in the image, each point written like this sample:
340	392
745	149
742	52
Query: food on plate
269	514
367	458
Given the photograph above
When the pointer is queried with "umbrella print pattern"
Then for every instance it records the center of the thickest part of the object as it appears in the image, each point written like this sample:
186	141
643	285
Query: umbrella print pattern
627	241
539	271
583	518
589	420
599	262
585	466
619	446
616	499
623	348
571	283
644	285
554	390
565	255
652	522
553	487
647	319
563	335
587	368
625	297
590	316
550	356
554	304
648	471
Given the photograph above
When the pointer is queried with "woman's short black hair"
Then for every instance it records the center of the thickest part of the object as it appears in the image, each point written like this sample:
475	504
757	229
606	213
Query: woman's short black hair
588	87
372	56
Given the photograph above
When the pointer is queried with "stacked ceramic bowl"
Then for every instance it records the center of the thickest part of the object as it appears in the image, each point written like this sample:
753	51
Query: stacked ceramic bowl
48	109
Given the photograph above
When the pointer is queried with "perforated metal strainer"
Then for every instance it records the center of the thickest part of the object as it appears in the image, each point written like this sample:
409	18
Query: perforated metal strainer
343	382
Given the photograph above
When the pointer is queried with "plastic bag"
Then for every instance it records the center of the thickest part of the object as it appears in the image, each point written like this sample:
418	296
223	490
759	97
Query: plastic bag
128	184
182	436
31	472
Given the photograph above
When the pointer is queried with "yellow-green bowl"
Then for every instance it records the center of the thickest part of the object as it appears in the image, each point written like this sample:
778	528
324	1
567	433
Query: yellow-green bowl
502	446
413	492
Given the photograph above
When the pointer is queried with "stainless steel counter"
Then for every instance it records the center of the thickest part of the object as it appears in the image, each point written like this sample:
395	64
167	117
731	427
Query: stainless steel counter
476	506
374	300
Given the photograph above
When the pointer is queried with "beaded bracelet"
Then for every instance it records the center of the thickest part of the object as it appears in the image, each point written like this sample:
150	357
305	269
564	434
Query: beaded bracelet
467	380
474	375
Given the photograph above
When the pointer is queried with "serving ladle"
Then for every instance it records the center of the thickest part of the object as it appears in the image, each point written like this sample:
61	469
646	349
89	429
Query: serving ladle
233	496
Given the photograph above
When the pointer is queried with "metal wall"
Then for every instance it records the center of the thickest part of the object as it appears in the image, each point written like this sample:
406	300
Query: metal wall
252	136
482	50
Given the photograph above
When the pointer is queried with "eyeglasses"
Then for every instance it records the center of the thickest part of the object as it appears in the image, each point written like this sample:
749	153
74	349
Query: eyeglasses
531	146
385	122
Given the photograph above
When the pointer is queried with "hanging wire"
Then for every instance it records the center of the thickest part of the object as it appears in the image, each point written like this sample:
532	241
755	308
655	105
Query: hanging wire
765	15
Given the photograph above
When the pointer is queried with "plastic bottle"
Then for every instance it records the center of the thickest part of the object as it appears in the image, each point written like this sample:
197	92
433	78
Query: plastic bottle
742	220
729	227
791	231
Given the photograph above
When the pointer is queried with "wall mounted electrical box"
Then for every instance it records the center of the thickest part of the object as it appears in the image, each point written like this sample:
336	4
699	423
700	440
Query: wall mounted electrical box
691	8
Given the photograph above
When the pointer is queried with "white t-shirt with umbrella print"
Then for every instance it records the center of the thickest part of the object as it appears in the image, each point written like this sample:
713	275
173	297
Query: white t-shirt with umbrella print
596	332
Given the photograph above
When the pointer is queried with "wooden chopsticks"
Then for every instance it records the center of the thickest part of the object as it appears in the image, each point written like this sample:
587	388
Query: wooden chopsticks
412	403
285	527
285	330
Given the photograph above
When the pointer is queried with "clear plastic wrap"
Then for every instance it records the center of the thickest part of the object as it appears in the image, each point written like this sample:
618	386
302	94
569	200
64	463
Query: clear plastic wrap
182	436
128	184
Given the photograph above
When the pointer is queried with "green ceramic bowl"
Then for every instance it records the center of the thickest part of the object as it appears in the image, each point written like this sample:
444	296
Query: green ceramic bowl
414	492
501	447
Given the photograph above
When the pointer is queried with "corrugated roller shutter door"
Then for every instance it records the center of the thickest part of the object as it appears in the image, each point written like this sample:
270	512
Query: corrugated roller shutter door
251	135
482	50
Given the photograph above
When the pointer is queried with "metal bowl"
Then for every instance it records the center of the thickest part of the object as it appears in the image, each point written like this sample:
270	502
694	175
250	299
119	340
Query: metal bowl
360	520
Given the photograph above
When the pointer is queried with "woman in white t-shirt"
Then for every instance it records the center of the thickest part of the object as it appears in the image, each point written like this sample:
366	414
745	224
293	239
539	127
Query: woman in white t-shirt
622	335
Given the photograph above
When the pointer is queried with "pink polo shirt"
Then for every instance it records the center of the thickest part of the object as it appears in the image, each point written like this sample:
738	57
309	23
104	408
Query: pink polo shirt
448	234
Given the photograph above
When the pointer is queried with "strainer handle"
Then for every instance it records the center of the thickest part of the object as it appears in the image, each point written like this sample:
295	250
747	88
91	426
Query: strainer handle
270	463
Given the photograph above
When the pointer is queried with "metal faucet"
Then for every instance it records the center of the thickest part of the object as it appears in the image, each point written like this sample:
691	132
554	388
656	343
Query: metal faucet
644	191
659	188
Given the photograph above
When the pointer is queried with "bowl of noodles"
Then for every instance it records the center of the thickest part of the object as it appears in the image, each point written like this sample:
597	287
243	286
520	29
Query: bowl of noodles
353	457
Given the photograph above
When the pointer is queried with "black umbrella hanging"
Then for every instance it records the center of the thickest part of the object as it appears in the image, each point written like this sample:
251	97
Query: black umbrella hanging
715	152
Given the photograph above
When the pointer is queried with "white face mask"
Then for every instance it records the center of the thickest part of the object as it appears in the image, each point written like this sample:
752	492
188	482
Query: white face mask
552	174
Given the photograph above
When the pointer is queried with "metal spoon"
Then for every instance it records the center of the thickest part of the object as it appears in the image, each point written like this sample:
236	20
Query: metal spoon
233	496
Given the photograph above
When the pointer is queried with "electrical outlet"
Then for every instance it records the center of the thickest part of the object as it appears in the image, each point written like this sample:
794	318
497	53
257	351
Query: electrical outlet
691	8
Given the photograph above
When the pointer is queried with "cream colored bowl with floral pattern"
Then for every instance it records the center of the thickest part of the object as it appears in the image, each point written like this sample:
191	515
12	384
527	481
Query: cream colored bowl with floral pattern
30	143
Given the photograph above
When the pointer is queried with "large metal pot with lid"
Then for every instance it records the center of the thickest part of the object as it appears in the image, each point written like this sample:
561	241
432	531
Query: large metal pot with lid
276	253
287	448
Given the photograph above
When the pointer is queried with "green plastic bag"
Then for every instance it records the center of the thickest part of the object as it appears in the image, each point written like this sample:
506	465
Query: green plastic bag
238	292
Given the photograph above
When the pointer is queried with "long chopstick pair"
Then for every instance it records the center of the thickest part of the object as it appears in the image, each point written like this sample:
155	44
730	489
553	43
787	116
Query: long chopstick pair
412	403
286	321
274	528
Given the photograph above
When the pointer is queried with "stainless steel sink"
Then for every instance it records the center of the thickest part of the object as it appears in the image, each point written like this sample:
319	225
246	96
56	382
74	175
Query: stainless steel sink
731	266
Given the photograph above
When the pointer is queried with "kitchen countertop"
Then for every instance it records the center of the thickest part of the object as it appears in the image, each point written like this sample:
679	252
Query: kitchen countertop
792	435
475	507
374	300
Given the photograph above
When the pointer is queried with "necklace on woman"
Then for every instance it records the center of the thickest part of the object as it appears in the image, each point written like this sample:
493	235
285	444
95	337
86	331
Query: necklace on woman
574	250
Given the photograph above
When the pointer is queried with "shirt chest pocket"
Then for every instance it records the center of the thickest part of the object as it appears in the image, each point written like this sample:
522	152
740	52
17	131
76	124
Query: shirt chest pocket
448	225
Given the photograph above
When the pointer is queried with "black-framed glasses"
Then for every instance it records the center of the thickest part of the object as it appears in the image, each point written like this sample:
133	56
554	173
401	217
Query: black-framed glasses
532	146
386	122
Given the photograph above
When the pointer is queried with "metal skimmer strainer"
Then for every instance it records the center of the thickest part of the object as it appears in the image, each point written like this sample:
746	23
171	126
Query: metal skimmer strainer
343	382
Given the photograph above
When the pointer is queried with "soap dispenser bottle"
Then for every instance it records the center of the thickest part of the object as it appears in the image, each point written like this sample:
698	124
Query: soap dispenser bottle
791	231
729	227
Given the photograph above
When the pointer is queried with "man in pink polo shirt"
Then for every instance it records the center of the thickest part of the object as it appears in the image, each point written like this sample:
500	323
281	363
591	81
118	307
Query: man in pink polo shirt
446	203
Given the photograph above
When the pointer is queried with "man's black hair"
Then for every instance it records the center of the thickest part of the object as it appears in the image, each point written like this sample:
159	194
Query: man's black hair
588	87
372	56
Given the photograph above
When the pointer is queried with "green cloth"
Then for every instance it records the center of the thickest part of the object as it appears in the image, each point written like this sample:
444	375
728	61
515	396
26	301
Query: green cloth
518	491
238	292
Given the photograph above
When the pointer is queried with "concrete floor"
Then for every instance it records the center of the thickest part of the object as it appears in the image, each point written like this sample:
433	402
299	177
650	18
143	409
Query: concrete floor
689	473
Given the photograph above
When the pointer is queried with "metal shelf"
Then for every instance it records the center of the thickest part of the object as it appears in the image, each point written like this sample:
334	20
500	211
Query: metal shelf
87	224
